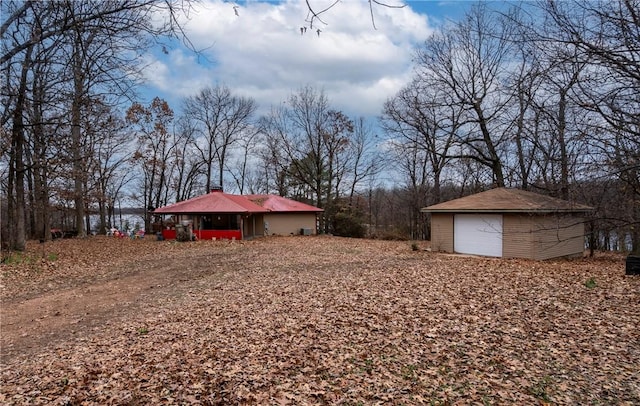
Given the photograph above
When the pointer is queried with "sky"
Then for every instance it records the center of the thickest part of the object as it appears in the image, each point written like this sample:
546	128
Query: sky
256	48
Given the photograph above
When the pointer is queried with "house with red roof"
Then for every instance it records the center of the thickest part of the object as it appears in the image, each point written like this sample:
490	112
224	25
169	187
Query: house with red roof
219	215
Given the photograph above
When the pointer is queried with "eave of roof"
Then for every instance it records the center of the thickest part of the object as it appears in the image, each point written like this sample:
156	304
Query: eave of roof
279	204
504	200
214	202
540	211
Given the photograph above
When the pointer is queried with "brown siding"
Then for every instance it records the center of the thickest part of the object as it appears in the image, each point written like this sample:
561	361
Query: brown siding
524	236
517	236
442	232
290	223
558	236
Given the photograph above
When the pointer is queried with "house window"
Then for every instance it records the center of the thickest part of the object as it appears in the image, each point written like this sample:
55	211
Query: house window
220	222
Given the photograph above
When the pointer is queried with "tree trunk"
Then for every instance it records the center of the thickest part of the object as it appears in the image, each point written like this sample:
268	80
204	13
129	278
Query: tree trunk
524	173
102	212
494	159
87	220
437	194
564	159
17	236
39	167
76	137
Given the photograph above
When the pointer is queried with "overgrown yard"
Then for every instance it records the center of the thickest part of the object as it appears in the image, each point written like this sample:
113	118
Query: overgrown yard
313	320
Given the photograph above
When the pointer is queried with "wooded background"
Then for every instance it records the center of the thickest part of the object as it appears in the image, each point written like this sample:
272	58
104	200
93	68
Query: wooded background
540	96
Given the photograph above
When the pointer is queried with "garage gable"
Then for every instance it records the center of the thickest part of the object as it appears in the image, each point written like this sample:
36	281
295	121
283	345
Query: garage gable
478	234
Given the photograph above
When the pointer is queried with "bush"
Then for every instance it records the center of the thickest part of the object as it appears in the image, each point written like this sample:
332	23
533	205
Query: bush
389	235
348	225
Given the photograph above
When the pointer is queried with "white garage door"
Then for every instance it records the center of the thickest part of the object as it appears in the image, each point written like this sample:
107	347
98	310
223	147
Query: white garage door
478	234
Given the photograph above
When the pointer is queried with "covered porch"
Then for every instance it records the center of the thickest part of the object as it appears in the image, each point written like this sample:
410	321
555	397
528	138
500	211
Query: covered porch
216	226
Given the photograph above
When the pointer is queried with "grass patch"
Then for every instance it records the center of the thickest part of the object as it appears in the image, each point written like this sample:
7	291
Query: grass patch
591	283
18	258
409	372
541	389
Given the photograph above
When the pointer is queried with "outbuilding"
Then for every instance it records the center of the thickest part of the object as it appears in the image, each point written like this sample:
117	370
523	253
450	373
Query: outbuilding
509	223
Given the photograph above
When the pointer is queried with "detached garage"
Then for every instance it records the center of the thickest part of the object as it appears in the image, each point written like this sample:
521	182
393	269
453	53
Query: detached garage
509	223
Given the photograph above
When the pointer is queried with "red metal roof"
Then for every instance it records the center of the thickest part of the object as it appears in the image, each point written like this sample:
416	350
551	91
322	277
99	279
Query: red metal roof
279	204
507	200
214	202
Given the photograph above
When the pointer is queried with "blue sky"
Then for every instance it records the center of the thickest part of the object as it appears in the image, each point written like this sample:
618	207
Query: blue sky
261	53
440	10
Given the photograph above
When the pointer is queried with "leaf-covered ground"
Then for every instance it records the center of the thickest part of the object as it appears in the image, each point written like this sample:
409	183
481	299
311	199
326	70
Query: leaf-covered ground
313	320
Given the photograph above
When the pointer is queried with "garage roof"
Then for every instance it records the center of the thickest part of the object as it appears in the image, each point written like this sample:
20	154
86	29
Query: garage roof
506	200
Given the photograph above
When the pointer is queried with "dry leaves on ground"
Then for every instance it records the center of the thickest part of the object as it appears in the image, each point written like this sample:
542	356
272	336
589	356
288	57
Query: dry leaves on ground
315	320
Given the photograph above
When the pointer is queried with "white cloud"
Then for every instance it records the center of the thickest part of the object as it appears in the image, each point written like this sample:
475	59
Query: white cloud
262	54
156	73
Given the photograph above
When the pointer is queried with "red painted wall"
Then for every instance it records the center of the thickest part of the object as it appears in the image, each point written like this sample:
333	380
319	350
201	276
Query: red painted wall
207	234
169	234
218	234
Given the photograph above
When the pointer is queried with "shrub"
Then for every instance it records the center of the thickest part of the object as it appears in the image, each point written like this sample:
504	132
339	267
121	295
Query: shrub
590	283
346	224
390	235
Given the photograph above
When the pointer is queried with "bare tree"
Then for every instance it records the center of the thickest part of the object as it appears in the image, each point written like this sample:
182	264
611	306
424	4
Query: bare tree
109	161
468	61
523	121
557	103
91	43
296	132
606	35
45	134
16	182
187	171
412	162
222	118
314	15
426	119
309	144
152	125
363	161
52	20
246	149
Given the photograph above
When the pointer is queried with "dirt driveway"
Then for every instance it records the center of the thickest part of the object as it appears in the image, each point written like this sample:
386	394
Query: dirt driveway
46	302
